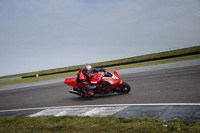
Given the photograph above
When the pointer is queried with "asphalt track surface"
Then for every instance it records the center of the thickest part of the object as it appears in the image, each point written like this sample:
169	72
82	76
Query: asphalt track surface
173	85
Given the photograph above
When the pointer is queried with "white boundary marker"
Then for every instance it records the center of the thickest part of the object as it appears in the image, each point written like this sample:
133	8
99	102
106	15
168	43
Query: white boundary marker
107	105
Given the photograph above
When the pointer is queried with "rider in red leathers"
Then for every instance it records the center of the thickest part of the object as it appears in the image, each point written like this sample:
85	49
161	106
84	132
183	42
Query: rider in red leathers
83	77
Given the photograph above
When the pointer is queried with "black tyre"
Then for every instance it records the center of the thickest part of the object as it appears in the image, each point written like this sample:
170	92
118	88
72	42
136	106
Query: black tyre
125	88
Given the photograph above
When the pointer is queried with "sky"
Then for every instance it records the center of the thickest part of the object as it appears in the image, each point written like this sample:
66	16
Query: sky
45	34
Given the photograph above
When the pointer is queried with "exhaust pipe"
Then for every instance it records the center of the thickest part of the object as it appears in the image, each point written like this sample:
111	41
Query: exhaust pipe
76	92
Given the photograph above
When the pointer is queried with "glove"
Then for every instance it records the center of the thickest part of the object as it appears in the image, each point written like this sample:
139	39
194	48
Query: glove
101	69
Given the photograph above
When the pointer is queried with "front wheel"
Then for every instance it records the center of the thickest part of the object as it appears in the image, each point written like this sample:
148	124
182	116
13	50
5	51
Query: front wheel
124	88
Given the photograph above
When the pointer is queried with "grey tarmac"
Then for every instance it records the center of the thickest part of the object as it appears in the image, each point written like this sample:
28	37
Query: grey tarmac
174	84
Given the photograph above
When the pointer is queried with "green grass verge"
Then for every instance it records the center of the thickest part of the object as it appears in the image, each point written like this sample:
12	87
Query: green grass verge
156	62
74	124
137	58
63	75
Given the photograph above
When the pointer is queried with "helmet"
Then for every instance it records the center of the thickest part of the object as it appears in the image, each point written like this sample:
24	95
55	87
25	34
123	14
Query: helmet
87	70
87	67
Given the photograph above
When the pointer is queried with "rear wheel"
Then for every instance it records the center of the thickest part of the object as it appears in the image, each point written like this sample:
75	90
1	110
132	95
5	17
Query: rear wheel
125	88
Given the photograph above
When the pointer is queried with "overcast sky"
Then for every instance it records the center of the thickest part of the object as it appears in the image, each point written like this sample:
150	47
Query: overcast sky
45	34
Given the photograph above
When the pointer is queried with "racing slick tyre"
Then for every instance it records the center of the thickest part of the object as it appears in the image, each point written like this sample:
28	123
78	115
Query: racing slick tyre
125	88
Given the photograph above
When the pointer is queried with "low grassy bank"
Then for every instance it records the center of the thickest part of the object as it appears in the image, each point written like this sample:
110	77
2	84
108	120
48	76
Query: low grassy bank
156	56
63	75
131	59
95	124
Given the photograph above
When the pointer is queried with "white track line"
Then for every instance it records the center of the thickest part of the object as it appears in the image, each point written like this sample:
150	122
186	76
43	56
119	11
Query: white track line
108	105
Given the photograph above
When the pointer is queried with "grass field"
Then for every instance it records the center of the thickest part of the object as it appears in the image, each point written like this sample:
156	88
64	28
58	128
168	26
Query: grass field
98	124
137	58
63	75
75	124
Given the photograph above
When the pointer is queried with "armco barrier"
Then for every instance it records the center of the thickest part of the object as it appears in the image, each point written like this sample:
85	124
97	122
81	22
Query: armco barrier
124	63
8	79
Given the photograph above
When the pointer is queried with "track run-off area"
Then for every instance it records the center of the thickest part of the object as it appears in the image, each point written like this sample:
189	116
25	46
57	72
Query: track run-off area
163	85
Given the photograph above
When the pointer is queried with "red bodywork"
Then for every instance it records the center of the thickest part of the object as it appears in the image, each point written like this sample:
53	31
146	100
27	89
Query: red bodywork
115	80
71	81
112	78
